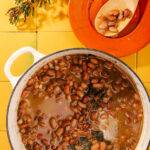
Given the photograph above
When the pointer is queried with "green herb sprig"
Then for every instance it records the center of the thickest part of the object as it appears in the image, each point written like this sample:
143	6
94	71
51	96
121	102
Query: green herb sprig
24	8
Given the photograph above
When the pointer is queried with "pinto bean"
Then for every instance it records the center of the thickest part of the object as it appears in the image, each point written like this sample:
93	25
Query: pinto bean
42	124
67	128
83	85
121	15
80	93
36	146
111	23
113	29
46	78
45	142
104	116
75	97
66	138
53	123
125	84
127	13
102	26
94	81
67	89
73	123
98	85
136	96
114	12
25	94
39	136
74	109
59	131
82	105
108	65
53	141
106	99
102	31
111	17
23	131
81	118
94	61
73	103
102	146
94	116
95	146
30	82
75	134
20	121
46	67
85	99
92	66
51	73
85	76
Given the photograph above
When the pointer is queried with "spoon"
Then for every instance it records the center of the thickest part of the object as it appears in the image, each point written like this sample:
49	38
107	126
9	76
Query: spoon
115	5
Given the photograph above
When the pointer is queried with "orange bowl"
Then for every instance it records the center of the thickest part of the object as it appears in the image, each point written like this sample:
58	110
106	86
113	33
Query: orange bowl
133	38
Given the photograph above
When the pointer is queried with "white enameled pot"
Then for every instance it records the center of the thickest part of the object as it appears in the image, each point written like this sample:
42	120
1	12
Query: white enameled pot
39	60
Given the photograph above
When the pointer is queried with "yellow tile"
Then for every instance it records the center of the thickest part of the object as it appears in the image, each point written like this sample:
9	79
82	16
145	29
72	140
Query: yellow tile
54	18
49	42
10	42
143	64
130	60
5	91
5	5
26	59
5	25
147	85
4	143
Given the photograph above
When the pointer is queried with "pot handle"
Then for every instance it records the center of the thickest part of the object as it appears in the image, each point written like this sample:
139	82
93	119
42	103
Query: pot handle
14	56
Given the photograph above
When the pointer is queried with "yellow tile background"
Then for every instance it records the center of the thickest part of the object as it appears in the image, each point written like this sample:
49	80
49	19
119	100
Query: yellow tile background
4	143
4	23
10	42
5	91
49	31
48	42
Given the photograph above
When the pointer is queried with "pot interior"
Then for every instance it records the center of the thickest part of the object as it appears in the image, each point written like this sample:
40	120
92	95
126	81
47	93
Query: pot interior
12	126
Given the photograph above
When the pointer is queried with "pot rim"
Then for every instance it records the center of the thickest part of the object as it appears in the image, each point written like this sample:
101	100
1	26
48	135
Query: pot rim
61	51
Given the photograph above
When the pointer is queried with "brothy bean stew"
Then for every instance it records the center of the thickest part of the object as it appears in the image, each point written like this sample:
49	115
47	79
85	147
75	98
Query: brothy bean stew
80	102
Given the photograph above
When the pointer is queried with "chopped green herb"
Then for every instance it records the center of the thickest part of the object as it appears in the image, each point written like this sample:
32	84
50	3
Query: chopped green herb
85	143
98	135
83	139
94	104
72	147
101	94
92	93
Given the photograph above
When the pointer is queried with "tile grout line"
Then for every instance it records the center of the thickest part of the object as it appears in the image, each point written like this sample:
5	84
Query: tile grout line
37	40
56	31
18	32
5	81
3	130
136	64
35	31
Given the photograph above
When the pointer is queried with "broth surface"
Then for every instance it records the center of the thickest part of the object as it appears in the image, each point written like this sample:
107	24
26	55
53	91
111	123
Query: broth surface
80	102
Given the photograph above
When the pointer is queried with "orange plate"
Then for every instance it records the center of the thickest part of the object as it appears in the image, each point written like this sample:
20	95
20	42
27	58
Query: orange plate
123	46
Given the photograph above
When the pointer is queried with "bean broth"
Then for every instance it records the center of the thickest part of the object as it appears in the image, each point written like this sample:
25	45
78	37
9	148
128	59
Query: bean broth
80	102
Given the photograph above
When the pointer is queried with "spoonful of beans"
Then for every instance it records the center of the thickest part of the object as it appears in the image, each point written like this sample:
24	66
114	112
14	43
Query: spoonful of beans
114	16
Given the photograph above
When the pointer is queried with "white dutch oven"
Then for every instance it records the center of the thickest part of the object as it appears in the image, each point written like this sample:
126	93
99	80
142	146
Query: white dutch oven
39	60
